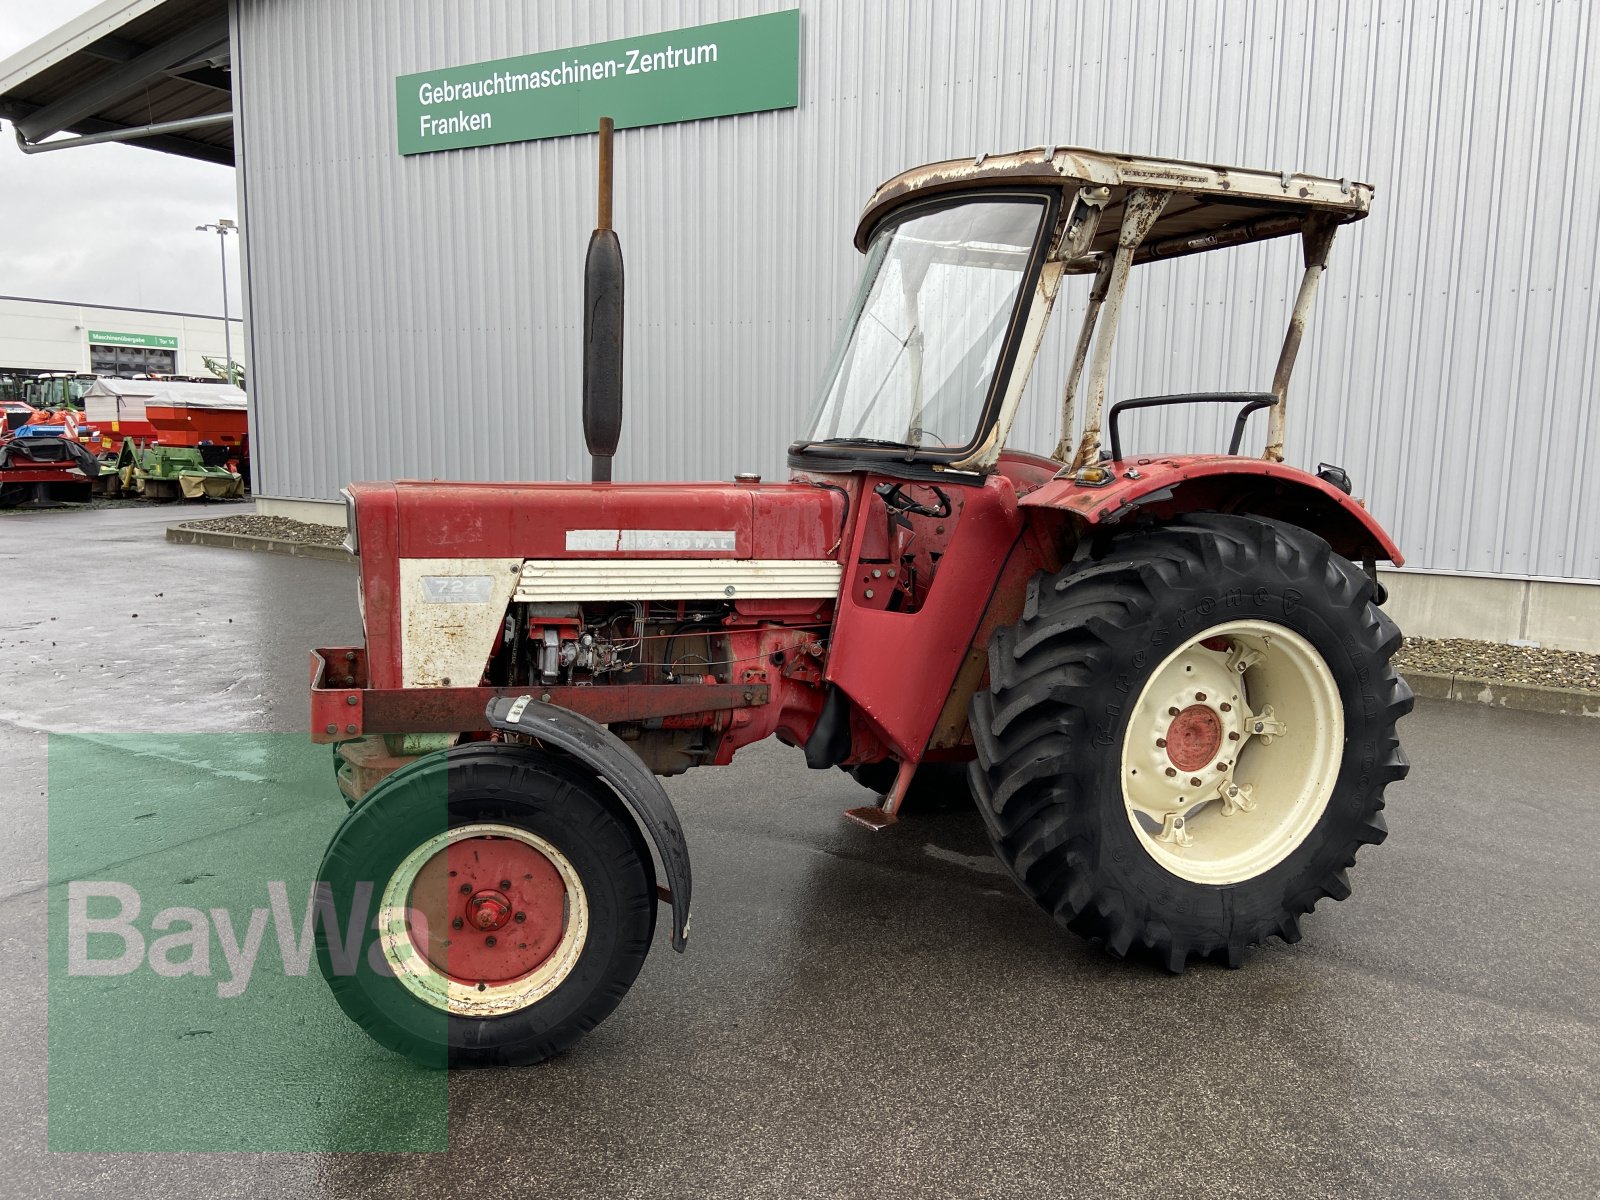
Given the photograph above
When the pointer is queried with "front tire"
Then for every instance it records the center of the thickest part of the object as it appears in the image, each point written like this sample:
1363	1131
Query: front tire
1186	742
502	902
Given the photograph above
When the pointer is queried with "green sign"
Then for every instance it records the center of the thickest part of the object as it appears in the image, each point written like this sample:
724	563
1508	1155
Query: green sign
748	65
99	337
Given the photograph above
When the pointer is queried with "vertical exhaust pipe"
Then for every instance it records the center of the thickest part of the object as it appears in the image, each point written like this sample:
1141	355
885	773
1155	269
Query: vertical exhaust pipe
602	328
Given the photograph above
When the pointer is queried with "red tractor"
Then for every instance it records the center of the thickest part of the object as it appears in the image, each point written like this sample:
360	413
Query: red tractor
1167	674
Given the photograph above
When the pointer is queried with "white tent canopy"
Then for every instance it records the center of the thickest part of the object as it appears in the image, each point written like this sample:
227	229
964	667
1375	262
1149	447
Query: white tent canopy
125	399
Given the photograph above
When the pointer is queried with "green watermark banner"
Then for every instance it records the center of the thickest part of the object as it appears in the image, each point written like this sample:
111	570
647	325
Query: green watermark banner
187	1007
100	337
747	65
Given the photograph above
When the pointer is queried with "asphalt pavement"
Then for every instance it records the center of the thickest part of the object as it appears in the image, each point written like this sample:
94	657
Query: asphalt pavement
858	1014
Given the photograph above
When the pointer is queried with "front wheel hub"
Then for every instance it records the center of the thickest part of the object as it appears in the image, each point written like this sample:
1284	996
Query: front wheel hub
488	910
485	919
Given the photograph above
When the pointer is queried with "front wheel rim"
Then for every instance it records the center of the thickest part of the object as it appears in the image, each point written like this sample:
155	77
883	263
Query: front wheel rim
483	920
1232	752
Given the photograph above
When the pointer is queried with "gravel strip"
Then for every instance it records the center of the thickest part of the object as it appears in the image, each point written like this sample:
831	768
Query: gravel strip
305	532
1500	664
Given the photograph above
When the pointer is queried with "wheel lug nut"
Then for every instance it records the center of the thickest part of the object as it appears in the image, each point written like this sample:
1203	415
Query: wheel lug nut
1161	743
1222	766
1194	781
457	923
466	889
1233	737
1200	696
505	885
489	941
1172	712
521	917
1171	772
1226	707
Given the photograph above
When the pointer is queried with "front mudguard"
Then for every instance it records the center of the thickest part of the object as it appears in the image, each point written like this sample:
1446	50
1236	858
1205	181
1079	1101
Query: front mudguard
610	758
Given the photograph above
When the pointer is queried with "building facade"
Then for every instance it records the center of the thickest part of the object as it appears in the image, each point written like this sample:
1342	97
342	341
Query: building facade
418	314
435	299
52	335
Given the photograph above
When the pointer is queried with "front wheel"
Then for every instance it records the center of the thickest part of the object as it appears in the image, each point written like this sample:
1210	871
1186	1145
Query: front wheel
487	905
1185	743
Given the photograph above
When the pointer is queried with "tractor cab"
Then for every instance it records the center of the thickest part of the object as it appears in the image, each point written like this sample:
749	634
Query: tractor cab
964	263
57	390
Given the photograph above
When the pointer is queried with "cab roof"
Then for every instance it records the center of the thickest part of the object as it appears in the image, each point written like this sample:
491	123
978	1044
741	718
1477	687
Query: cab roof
1211	206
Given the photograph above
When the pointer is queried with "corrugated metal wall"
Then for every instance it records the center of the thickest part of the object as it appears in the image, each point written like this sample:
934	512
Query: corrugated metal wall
420	316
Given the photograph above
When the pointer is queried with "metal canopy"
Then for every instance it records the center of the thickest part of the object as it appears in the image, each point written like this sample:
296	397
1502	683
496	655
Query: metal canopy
153	73
1207	206
1118	211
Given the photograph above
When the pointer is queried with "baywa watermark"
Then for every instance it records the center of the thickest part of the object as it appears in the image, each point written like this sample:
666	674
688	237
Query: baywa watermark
184	945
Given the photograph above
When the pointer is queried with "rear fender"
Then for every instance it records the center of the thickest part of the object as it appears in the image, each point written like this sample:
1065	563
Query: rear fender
597	748
1164	488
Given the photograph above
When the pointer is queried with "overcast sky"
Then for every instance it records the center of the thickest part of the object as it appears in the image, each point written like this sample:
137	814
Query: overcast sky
107	224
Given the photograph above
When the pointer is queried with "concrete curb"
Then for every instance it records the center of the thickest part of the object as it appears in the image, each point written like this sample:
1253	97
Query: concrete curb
264	545
1529	697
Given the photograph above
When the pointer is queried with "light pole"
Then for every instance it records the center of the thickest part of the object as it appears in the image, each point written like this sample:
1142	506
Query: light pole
222	229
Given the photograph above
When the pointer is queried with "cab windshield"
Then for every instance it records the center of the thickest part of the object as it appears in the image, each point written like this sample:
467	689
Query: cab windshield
915	363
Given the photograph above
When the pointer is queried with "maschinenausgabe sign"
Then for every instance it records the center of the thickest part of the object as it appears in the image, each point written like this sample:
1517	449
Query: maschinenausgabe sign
747	65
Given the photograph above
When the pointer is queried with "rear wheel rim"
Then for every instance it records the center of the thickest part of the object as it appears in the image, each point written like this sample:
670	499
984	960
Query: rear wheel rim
483	920
1232	752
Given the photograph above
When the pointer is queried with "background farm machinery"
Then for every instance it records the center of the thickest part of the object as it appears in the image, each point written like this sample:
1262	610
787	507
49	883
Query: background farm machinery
162	472
44	462
161	439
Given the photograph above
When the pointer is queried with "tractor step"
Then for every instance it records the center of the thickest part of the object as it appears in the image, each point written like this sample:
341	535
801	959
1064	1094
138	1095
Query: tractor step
871	817
881	816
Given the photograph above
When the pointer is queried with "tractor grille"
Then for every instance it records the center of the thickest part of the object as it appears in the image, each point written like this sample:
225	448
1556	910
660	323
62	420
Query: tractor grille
577	579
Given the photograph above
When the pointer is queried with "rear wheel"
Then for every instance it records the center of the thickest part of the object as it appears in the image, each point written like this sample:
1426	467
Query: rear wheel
504	902
1186	743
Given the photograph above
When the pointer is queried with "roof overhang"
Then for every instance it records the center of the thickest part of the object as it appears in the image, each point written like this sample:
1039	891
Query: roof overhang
1209	206
154	73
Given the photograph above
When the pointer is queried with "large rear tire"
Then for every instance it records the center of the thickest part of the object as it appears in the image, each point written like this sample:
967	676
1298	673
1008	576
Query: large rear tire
1186	742
504	899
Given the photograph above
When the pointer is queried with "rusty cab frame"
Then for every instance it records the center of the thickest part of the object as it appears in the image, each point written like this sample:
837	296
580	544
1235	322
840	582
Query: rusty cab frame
1127	211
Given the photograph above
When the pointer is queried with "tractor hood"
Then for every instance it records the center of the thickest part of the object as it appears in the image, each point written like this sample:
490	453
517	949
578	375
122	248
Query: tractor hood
582	520
440	561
